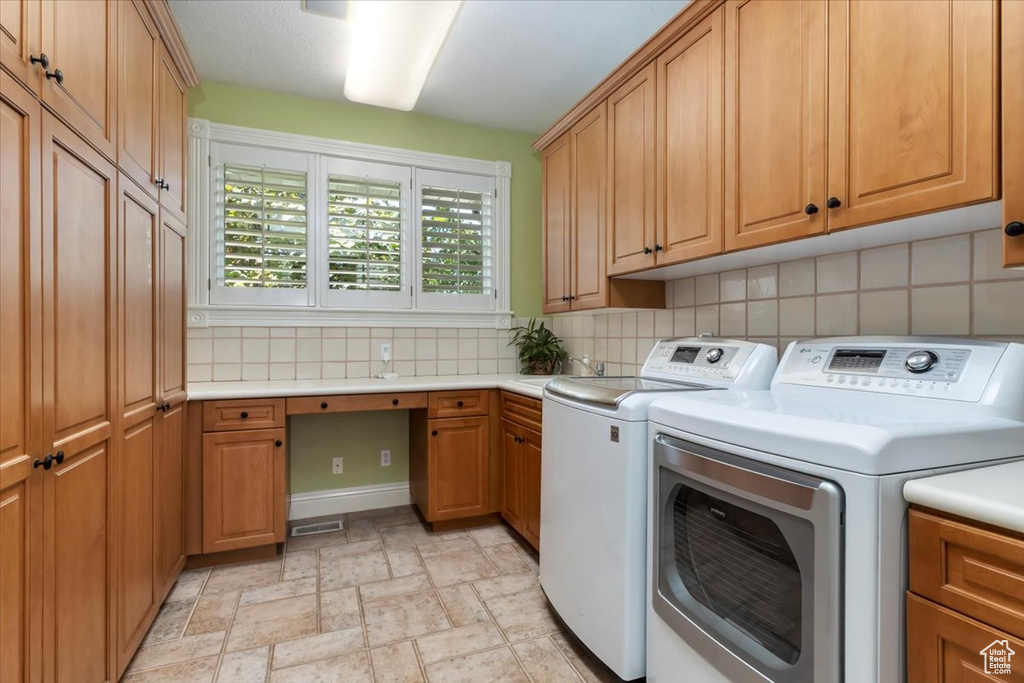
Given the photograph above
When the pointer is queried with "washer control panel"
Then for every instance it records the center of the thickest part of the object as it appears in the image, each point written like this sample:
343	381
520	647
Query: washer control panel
917	367
696	359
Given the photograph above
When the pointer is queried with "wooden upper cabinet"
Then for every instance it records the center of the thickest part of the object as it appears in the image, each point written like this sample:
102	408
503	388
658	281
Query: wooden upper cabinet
173	106
775	129
1013	130
557	174
912	107
140	51
20	580
80	39
171	375
631	160
19	40
690	144
589	142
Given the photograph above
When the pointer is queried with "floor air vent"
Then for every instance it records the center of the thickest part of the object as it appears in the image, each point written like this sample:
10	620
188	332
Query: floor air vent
321	528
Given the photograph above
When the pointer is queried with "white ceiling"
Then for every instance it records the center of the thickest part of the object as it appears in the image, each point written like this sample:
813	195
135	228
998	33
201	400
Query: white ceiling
516	64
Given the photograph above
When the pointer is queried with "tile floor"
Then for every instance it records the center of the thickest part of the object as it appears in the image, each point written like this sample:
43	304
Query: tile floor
383	600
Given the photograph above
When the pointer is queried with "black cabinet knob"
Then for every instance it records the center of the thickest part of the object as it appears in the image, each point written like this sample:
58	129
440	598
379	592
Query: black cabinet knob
278	443
1014	229
572	297
811	209
59	458
323	405
46	463
658	247
244	415
833	203
164	185
42	60
565	298
459	404
57	75
394	401
648	250
433	433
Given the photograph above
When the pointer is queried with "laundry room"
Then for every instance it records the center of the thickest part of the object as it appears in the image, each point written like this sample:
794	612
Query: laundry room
458	341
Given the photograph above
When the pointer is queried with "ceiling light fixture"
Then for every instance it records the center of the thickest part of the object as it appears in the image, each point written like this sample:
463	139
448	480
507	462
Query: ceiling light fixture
393	46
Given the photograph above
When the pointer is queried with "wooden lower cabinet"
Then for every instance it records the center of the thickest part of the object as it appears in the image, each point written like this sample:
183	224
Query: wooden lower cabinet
530	453
458	468
244	490
513	498
20	597
521	464
168	499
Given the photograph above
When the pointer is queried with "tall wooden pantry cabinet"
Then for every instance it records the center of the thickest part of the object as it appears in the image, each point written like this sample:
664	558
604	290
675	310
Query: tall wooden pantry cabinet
92	394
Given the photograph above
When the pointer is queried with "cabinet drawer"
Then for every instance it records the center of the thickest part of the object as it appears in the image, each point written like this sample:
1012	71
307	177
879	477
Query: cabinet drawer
305	405
943	645
225	416
521	410
970	569
458	403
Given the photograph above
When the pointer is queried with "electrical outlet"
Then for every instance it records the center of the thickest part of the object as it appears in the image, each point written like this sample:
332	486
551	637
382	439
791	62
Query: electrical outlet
385	351
336	465
385	457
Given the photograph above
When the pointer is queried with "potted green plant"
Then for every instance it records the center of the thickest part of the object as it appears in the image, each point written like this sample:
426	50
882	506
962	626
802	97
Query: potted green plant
540	351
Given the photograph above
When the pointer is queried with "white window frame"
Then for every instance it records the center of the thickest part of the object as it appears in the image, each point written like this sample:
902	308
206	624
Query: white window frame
453	181
221	154
366	169
208	307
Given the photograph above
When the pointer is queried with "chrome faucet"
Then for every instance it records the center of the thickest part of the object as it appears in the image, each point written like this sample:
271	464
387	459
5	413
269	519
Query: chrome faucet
597	369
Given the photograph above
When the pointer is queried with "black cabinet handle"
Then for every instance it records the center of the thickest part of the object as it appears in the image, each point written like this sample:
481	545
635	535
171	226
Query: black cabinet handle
1014	229
46	463
57	74
833	203
244	415
658	247
164	185
459	404
42	60
648	250
394	401
811	209
278	443
433	433
565	298
59	458
323	405
572	297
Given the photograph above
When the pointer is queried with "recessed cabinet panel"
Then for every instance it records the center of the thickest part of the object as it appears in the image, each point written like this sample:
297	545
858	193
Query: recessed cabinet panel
19	40
172	309
912	102
140	49
775	131
557	169
15	540
139	227
137	544
589	139
169	498
690	144
173	103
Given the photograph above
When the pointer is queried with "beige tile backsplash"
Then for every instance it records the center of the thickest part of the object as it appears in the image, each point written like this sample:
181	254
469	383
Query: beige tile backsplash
948	286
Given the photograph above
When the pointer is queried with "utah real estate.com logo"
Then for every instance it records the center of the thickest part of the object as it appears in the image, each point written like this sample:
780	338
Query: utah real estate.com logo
997	657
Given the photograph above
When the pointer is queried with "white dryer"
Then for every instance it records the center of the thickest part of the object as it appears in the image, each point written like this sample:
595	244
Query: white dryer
777	526
594	486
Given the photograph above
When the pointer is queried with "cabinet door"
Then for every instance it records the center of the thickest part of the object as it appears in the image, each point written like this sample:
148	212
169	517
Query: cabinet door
20	483
79	205
775	130
512	494
243	489
1013	130
136	548
531	486
19	40
80	38
912	107
173	104
458	469
171	385
631	160
557	171
140	51
168	499
943	645
691	144
589	281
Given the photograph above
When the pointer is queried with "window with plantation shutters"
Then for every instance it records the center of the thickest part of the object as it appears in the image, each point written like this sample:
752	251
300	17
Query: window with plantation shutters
264	219
367	227
456	236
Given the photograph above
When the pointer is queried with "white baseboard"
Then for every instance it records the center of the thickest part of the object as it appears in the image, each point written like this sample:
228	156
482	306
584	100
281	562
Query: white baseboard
354	499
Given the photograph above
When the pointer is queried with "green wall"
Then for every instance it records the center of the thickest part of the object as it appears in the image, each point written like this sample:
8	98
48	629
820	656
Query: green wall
240	106
314	440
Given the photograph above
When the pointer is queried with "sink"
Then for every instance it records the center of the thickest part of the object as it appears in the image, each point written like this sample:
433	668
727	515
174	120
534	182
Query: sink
534	381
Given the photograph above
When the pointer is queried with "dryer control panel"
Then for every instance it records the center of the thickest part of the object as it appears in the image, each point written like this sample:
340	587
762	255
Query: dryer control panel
699	359
924	366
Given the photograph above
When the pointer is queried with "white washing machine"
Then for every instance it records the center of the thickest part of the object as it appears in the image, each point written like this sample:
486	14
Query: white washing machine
777	525
594	486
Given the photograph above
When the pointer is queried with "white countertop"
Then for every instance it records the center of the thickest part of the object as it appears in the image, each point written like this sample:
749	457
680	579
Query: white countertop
207	391
994	495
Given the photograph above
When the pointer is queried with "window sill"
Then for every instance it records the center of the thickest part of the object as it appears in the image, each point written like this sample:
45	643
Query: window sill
294	316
